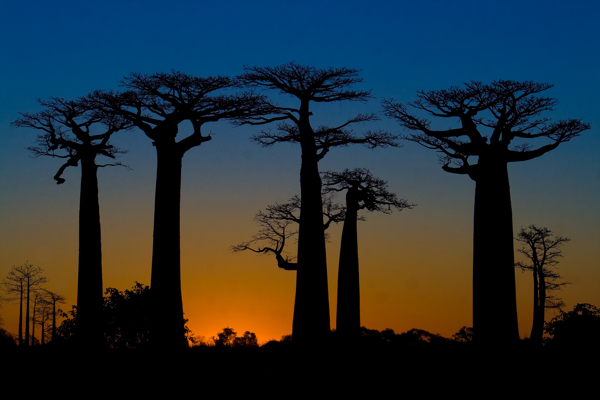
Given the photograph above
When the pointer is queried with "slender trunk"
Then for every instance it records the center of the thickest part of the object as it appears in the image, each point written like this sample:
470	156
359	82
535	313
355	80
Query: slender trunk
536	333
42	324
21	317
53	321
33	322
348	294
311	307
167	307
89	283
27	314
542	312
494	293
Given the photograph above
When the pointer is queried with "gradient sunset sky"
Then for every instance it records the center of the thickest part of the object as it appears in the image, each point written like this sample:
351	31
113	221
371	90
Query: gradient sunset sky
415	264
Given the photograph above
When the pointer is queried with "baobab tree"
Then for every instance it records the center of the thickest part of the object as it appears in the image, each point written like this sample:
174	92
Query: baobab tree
309	85
275	228
75	131
157	104
24	281
53	299
543	250
363	191
497	123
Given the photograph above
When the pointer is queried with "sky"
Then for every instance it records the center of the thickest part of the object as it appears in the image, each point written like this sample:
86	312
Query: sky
416	264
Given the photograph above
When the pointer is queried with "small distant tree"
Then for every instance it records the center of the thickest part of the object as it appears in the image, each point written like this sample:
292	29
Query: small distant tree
247	340
53	299
21	283
543	251
229	338
464	335
225	338
363	191
43	315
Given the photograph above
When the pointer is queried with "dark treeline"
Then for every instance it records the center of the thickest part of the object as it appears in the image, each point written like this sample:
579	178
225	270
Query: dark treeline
497	124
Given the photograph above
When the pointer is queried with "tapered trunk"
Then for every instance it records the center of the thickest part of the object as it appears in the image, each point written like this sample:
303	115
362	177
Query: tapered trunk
311	307
89	282
348	293
494	294
167	307
537	328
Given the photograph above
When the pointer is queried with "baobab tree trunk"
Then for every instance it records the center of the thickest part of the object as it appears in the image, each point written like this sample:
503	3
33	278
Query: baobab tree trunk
536	332
89	282
311	308
494	294
348	293
167	308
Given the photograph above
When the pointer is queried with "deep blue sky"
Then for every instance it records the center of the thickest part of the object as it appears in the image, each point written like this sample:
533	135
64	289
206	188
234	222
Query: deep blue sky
68	49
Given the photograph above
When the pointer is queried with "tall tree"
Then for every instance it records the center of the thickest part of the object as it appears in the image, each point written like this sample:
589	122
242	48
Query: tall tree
24	281
543	250
77	132
363	191
157	104
497	122
53	299
14	285
311	85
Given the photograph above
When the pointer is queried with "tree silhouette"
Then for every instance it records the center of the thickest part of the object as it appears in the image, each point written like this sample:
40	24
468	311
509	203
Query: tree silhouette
229	338
53	299
311	85
41	315
24	281
497	122
543	251
68	128
157	104
127	317
363	191
577	328
274	228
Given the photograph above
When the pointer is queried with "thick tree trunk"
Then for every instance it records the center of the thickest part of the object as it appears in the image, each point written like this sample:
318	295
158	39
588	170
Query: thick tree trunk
89	282
348	293
536	332
167	308
311	308
494	294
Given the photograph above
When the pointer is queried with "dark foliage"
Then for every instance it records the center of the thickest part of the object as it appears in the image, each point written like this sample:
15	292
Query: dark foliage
579	328
125	316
